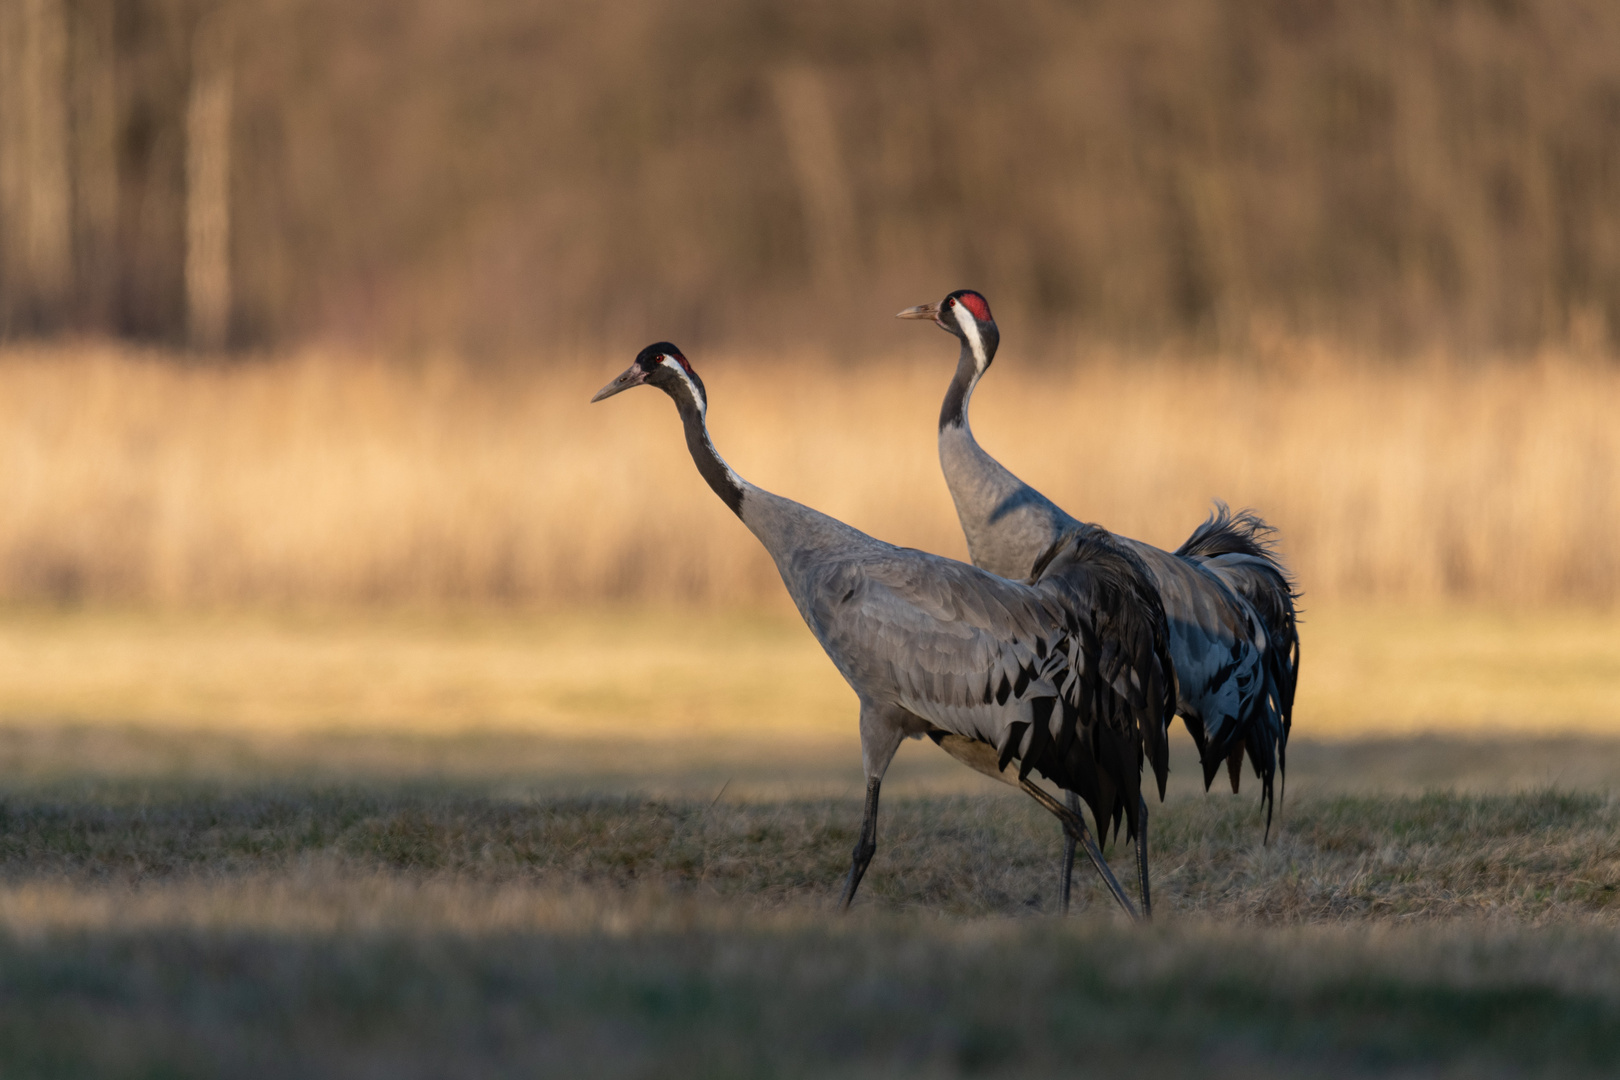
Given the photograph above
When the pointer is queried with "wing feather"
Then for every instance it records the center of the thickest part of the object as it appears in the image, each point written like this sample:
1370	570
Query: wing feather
1068	674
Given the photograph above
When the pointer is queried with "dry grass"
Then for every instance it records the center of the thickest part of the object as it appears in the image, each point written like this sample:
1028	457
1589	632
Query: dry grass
563	676
382	826
351	855
244	846
332	480
257	894
338	928
702	681
875	998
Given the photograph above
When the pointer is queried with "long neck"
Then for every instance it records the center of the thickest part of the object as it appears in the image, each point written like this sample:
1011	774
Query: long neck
1007	523
726	483
801	541
953	412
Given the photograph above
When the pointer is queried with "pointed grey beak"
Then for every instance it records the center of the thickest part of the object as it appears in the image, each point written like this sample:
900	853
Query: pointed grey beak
921	311
631	376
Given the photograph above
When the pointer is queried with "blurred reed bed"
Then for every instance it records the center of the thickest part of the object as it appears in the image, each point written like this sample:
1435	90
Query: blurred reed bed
338	479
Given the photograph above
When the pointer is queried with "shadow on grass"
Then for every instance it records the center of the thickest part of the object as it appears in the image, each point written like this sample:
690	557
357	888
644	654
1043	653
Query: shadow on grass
876	997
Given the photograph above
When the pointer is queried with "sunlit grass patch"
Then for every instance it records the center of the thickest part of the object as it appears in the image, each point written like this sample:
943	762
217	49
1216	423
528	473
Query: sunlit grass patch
632	676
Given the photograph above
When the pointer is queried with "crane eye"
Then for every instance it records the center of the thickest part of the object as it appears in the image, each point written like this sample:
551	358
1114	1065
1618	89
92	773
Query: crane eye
951	302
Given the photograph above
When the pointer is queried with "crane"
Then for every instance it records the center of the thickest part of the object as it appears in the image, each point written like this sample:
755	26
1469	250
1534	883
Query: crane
1229	600
1069	675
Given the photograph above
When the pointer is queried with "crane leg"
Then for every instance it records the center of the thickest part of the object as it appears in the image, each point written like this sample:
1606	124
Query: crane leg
1066	877
1075	826
1141	860
865	846
982	757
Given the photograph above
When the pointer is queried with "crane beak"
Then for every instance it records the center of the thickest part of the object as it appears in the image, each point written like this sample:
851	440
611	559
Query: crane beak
921	311
631	376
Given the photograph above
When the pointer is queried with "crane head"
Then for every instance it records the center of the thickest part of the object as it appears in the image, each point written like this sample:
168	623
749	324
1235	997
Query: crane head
966	314
663	366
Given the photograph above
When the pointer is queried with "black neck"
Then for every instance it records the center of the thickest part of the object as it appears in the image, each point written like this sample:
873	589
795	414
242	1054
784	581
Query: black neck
709	466
953	411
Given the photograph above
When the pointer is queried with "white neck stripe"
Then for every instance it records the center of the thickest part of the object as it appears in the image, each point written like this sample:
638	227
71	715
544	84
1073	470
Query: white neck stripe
697	395
970	327
703	409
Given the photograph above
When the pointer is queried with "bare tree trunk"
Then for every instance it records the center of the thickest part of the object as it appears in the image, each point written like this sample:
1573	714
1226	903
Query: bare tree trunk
94	82
208	184
36	255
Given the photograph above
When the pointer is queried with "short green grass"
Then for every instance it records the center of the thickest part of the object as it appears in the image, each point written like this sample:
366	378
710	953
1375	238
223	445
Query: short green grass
425	909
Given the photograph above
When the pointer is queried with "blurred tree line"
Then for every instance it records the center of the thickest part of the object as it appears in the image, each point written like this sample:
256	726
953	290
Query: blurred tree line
509	175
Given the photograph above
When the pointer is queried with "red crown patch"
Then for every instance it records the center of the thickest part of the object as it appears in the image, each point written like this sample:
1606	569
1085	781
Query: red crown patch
976	304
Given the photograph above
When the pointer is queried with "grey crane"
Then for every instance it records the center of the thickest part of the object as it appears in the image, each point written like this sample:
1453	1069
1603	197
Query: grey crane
1068	675
1229	600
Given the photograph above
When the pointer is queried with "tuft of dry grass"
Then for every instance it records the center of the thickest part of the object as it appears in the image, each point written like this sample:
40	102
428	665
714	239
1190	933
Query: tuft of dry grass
335	479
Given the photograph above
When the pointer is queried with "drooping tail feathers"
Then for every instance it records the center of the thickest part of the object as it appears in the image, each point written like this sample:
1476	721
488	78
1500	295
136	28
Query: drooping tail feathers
1239	548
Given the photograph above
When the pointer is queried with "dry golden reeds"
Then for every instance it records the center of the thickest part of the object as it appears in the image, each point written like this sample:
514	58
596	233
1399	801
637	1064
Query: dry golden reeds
332	479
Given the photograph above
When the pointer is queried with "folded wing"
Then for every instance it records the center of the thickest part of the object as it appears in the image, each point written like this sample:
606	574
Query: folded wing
1068	675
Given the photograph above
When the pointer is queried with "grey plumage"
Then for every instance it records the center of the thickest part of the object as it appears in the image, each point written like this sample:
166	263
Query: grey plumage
1228	600
1067	675
1237	549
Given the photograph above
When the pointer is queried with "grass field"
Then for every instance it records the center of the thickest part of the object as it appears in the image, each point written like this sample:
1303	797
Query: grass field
480	845
344	927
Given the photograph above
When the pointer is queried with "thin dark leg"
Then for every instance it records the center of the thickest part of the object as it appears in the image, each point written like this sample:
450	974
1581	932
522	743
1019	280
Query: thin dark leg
864	847
1067	878
1075	826
1141	860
